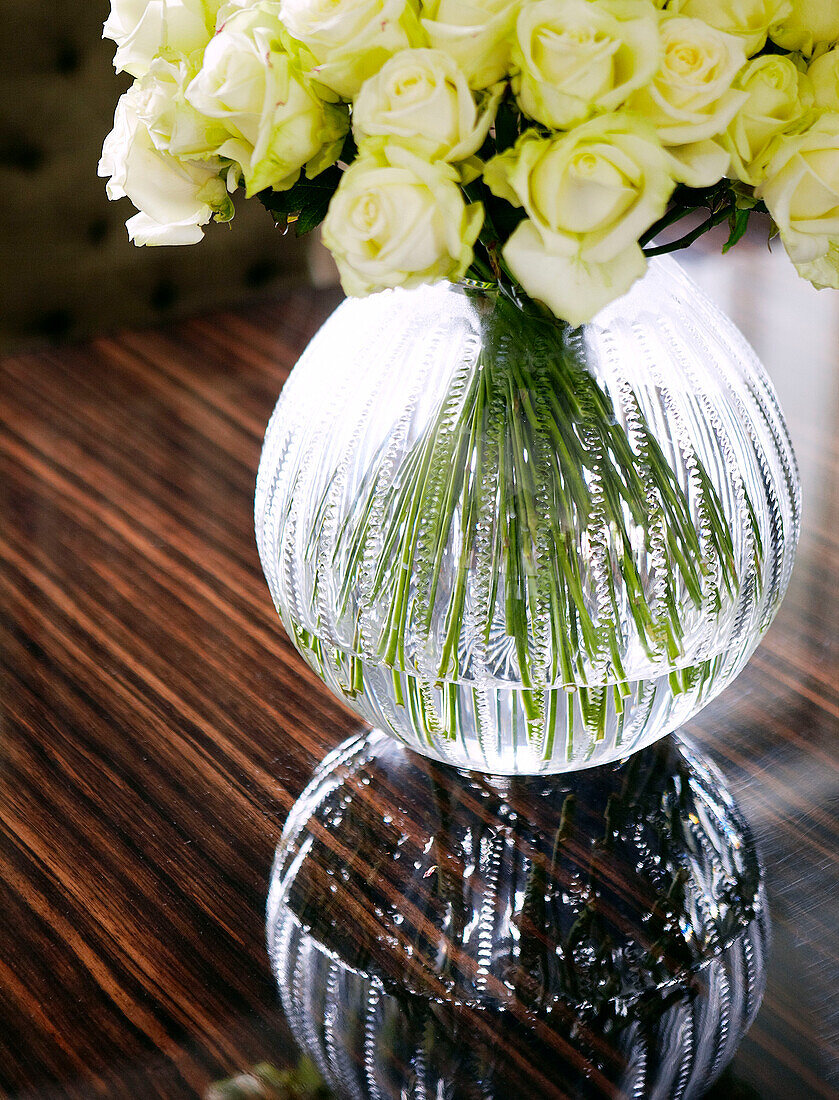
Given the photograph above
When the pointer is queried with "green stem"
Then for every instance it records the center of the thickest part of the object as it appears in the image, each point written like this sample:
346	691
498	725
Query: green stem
689	238
526	472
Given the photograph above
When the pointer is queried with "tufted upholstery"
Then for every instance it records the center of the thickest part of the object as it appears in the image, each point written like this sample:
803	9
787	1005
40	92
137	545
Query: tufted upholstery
67	266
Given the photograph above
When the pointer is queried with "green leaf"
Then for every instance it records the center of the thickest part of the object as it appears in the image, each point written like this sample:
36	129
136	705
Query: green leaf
739	223
305	204
744	197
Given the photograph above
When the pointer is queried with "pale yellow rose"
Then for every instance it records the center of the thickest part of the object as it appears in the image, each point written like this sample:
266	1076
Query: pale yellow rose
146	29
232	8
398	220
823	273
811	23
475	33
779	98
173	124
421	99
574	57
274	123
175	196
345	42
824	75
589	195
801	190
749	20
691	101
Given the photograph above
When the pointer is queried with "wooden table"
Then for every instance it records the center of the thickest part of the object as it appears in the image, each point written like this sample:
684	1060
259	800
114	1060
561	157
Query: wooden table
156	725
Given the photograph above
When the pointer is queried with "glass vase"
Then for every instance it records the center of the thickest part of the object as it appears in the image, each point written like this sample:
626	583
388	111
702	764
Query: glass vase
521	547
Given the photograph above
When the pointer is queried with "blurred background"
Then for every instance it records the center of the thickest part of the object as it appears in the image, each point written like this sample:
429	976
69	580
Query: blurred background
69	269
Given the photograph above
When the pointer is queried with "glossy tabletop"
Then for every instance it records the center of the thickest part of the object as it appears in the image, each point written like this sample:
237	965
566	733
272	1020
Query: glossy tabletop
156	725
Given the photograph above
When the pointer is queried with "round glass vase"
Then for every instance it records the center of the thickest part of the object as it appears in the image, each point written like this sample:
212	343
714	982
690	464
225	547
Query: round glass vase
522	547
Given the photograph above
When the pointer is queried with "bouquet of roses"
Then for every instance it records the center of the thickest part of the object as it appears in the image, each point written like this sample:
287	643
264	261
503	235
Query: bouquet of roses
543	143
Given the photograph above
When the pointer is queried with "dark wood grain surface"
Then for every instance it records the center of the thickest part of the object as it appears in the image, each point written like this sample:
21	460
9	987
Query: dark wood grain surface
156	725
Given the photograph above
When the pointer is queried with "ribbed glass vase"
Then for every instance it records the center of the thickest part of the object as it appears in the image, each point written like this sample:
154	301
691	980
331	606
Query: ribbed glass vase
520	547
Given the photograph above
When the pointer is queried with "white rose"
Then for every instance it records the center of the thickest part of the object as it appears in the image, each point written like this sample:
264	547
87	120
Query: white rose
173	124
811	23
779	96
144	29
824	75
475	34
574	288
691	100
749	20
231	8
589	195
823	272
572	57
421	99
274	121
347	41
398	220
801	190
175	197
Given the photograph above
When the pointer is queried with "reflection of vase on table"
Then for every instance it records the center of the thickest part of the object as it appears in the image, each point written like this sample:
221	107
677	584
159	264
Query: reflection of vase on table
522	547
576	936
